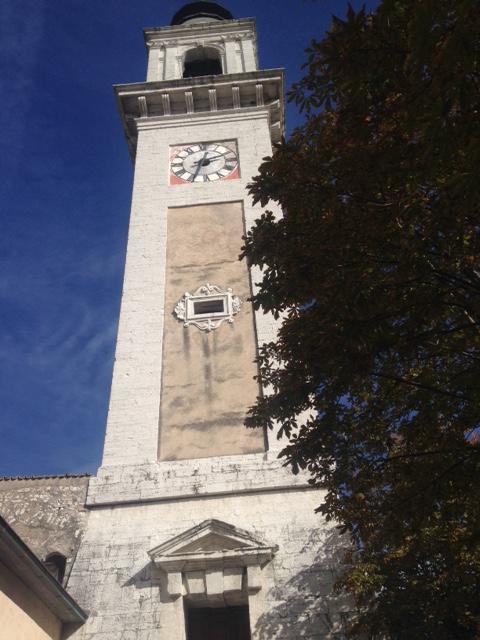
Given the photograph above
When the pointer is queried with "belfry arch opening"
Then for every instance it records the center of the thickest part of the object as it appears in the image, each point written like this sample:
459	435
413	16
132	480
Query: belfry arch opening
202	61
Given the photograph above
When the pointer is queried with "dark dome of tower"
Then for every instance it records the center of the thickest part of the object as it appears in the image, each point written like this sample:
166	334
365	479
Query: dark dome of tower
198	10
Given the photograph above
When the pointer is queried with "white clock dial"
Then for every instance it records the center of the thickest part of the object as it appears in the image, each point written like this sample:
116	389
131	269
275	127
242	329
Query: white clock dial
204	162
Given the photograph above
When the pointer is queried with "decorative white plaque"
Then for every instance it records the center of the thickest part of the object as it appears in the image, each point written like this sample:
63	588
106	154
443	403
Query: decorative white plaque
208	307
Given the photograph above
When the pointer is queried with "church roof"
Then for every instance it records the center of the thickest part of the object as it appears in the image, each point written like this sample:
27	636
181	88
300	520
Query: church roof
53	477
25	565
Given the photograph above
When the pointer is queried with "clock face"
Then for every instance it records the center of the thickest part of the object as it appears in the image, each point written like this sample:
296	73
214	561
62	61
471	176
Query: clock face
204	162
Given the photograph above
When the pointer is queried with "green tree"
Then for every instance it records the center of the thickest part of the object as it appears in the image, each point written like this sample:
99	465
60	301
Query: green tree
375	271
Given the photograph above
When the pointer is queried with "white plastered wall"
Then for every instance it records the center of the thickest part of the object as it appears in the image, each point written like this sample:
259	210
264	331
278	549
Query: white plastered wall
132	428
127	600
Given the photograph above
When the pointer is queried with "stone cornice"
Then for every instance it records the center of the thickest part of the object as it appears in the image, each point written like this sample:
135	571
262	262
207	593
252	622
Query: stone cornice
205	96
187	479
185	33
186	83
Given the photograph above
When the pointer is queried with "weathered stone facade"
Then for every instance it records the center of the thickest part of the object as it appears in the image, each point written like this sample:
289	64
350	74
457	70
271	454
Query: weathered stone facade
48	513
115	580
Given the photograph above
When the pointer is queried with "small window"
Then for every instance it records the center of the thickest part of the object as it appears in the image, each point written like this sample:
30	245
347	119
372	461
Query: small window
56	564
207	307
202	61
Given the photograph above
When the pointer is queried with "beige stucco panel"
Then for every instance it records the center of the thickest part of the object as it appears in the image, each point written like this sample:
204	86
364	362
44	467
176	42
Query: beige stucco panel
208	382
22	615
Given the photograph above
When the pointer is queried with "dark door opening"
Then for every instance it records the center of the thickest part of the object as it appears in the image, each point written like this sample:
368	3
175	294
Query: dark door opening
225	623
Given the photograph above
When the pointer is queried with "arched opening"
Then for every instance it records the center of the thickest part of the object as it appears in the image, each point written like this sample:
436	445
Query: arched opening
56	564
202	61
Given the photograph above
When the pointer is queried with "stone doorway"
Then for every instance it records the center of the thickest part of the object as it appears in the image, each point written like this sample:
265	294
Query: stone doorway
214	580
218	623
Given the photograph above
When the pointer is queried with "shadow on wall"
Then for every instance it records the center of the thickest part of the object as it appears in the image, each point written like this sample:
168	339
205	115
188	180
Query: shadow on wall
303	607
306	605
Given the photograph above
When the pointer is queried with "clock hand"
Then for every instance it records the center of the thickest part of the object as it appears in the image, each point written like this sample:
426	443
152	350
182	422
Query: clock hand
199	165
212	157
220	155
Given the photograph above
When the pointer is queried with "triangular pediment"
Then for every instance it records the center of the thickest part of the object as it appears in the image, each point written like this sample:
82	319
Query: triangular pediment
212	542
211	536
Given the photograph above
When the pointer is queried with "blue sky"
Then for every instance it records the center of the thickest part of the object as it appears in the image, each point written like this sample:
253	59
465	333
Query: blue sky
64	206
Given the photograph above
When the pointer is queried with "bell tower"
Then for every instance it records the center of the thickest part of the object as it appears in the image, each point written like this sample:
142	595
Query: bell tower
194	524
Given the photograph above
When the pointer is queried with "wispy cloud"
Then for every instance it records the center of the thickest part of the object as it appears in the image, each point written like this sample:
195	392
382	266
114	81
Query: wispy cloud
21	32
57	334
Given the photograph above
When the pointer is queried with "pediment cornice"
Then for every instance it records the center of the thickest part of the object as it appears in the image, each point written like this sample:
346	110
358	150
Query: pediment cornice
213	544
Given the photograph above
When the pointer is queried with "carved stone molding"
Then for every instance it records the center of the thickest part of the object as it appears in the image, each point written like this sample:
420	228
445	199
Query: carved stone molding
259	95
142	106
213	559
236	97
159	44
200	309
231	37
212	97
166	104
189	102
